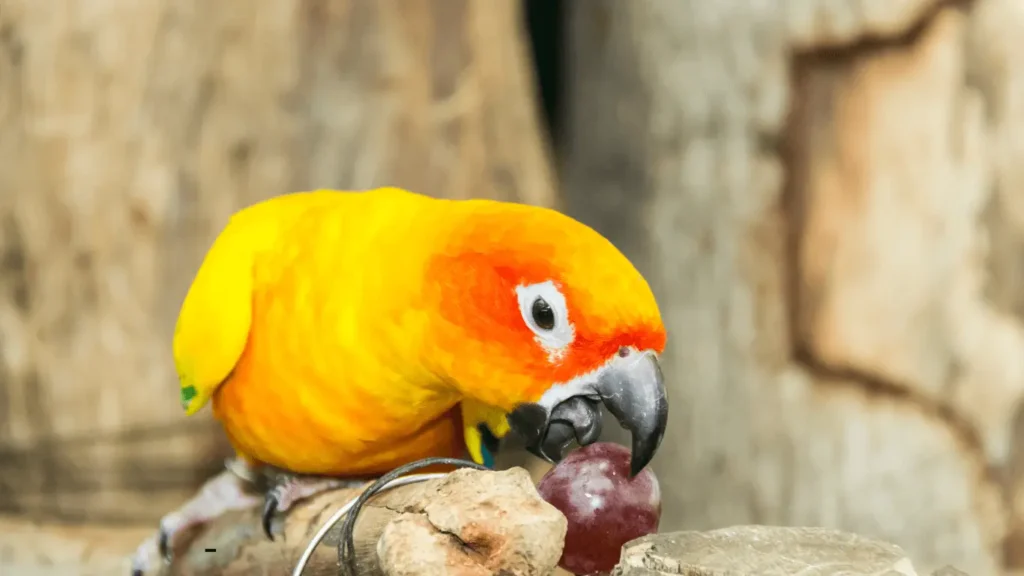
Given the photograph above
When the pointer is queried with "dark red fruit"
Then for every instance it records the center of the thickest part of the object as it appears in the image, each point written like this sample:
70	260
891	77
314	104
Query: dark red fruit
604	506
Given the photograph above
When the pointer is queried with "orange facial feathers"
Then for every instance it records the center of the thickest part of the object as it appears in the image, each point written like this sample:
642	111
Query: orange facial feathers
495	247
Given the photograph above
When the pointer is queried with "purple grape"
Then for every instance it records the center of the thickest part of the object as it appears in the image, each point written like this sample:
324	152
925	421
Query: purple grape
605	508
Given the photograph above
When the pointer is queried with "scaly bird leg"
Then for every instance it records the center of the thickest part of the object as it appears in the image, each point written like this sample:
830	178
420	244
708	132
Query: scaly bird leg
286	489
229	490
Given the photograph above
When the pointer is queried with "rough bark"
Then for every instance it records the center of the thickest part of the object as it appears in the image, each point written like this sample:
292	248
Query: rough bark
468	523
826	198
130	130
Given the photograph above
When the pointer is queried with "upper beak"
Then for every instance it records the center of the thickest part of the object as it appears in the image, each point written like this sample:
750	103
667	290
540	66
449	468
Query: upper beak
632	388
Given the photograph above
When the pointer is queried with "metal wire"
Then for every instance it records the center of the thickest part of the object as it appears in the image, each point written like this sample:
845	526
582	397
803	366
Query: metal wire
337	516
347	546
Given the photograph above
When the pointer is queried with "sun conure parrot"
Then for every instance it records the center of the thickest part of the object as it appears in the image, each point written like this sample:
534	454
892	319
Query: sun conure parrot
342	334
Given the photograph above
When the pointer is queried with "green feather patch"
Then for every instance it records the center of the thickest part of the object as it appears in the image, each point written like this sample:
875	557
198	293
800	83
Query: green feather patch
488	457
187	394
489	445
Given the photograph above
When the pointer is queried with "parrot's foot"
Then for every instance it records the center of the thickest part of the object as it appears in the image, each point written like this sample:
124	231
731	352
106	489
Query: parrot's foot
225	491
291	488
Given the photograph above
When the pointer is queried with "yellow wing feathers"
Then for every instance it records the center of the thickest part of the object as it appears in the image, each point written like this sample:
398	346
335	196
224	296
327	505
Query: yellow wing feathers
216	315
213	325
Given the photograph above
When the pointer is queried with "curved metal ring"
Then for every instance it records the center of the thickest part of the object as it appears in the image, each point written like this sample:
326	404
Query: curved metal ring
340	513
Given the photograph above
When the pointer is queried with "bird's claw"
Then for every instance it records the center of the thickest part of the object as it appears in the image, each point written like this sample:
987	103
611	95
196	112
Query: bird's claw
269	508
164	544
291	488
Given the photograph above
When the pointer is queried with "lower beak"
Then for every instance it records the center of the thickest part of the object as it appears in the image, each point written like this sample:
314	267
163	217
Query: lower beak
632	388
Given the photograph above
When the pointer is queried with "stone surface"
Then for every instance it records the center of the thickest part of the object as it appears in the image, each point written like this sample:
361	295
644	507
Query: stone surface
949	571
476	523
762	551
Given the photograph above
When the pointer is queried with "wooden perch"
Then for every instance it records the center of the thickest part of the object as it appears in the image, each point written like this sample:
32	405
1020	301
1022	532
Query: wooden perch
470	523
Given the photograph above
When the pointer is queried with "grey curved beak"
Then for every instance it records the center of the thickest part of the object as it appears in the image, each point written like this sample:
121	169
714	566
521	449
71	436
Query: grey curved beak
632	388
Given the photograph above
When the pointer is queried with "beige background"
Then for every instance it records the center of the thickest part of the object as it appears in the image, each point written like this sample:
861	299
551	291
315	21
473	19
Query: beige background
827	197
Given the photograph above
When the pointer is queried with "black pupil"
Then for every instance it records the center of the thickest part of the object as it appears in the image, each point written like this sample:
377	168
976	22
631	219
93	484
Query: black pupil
543	315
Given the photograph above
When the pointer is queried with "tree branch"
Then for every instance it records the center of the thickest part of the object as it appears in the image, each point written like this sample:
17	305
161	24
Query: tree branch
469	522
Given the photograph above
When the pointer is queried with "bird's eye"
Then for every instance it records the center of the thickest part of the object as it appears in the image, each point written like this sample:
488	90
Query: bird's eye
546	314
543	315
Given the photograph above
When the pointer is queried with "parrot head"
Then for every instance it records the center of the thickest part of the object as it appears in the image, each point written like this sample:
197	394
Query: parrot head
546	320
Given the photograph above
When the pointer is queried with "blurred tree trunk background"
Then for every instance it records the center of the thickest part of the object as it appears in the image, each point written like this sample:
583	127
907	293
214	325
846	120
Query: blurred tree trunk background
131	129
826	198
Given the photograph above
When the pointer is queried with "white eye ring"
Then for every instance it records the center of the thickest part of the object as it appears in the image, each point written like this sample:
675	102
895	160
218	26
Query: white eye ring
557	339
